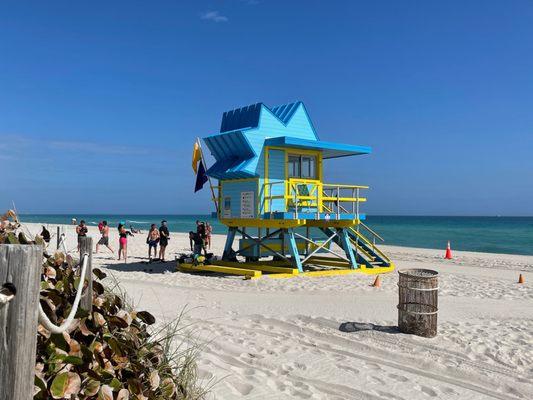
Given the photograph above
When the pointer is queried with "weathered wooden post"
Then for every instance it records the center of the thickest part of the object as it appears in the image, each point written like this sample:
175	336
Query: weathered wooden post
58	239
20	265
86	246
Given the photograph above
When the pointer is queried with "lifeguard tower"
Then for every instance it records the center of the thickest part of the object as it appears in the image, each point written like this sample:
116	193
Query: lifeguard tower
269	167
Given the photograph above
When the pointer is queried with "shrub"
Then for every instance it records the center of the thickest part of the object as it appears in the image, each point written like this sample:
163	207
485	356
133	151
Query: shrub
112	353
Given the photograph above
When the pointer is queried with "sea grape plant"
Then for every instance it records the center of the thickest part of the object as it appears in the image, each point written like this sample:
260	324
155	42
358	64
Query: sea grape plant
111	353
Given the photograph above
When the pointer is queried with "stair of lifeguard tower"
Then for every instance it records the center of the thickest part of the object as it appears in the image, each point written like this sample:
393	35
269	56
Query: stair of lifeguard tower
368	249
365	251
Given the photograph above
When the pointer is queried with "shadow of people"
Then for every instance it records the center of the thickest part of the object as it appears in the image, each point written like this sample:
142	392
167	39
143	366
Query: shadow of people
143	266
352	327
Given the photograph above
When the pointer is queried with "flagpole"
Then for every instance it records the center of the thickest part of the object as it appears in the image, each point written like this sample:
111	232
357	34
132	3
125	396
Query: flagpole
208	177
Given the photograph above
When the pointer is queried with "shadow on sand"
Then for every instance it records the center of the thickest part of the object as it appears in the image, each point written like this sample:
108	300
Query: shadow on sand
351	327
154	267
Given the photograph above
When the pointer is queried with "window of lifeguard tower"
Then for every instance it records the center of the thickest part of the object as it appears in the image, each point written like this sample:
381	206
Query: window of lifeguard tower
302	166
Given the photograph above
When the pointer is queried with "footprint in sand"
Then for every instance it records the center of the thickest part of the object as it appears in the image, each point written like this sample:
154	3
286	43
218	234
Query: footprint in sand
241	388
387	395
347	368
428	391
248	371
275	385
297	393
373	366
377	380
449	391
300	366
398	378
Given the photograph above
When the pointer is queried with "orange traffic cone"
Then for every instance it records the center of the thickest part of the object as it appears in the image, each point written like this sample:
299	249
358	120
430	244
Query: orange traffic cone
377	282
448	255
521	279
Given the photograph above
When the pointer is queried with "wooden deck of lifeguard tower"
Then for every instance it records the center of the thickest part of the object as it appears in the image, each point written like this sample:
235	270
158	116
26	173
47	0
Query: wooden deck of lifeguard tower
269	166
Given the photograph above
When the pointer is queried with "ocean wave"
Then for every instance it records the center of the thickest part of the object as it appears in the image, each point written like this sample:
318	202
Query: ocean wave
137	222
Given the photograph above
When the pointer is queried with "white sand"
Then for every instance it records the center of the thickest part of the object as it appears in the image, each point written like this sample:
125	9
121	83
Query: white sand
288	338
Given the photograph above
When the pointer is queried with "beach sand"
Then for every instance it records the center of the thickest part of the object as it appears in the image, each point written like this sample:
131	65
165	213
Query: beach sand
294	338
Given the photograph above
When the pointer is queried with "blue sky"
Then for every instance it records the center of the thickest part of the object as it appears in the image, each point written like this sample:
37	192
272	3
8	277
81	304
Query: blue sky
100	102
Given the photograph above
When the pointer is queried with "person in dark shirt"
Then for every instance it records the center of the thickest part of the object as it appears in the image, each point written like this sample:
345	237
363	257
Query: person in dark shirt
197	243
81	230
164	235
201	230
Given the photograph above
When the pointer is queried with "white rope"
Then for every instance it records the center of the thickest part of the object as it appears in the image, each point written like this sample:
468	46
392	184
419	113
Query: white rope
62	242
65	326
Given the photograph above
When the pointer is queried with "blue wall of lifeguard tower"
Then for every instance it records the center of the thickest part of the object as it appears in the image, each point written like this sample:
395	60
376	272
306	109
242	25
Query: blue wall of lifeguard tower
288	120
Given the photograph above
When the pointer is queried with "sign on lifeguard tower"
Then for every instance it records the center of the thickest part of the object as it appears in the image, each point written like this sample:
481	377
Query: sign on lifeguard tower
247	204
269	165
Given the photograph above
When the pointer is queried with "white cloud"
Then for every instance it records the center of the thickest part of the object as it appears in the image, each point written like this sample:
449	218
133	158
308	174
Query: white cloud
214	16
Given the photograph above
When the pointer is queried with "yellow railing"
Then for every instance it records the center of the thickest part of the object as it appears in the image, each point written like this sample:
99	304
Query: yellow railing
310	194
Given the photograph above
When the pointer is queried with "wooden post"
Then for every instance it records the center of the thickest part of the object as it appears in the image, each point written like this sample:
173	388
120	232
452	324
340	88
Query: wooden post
20	265
86	246
58	238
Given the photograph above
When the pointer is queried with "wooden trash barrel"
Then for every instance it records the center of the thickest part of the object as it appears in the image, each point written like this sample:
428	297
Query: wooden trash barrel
418	302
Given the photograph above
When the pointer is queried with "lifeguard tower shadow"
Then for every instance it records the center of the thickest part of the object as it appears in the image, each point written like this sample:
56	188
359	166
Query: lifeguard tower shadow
354	327
271	193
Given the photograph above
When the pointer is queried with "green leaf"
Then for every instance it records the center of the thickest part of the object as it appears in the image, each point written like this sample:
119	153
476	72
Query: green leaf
71	360
115	384
91	388
39	383
81	313
59	341
59	386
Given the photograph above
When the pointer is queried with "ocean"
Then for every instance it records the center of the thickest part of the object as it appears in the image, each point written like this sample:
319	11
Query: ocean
510	235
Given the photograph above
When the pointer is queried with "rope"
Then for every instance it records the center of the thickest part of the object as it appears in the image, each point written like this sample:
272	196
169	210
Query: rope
62	242
7	293
67	323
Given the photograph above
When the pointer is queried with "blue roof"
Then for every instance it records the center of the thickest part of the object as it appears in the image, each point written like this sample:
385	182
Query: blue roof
285	111
245	131
229	145
329	149
241	118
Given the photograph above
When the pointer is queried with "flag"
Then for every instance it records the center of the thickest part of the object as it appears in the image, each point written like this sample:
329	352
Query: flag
201	177
196	156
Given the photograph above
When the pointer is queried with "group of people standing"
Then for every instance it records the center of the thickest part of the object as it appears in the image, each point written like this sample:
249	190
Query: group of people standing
157	236
201	239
